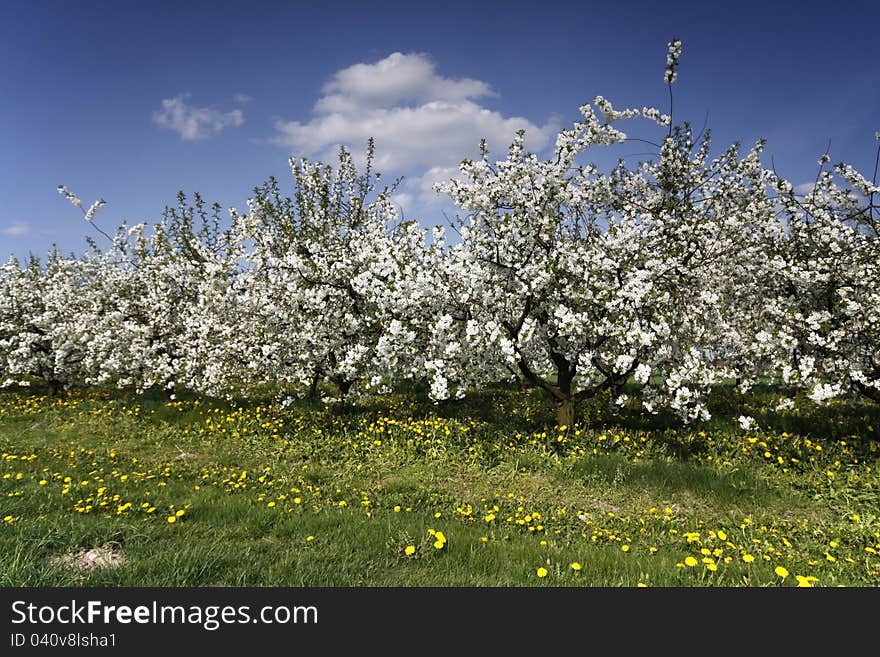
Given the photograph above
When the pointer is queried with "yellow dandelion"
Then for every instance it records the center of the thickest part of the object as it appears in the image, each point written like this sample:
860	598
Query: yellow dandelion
542	572
781	571
690	561
172	519
409	550
722	535
624	548
748	558
575	566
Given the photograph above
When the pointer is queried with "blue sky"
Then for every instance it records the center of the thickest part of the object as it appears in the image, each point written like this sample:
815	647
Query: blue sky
135	101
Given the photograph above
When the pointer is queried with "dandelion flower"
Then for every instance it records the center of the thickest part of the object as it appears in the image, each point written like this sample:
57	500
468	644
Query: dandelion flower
575	566
172	519
542	572
690	561
409	550
781	571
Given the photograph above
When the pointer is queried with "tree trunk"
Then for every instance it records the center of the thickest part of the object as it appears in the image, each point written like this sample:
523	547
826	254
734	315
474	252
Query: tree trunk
565	410
871	393
566	404
343	387
566	400
313	387
54	387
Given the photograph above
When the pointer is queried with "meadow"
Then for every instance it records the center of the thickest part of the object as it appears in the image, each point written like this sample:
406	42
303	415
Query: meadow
401	492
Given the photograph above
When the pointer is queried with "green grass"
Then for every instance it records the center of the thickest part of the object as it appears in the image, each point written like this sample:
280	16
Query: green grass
264	496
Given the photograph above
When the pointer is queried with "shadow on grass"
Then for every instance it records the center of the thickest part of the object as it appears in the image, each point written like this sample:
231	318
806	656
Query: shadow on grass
675	478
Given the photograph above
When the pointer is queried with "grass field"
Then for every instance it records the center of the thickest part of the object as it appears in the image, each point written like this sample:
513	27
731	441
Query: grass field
399	492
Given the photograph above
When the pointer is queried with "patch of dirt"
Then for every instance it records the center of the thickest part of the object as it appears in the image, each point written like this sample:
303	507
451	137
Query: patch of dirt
602	505
85	561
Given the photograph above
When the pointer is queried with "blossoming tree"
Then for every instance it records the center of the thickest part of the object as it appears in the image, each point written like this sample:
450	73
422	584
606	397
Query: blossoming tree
333	277
824	333
580	280
39	304
657	280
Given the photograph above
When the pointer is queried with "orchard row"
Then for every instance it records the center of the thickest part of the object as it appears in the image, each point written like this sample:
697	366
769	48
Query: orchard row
669	276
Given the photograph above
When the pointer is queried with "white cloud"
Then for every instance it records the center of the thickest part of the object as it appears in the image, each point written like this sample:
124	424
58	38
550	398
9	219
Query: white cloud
436	133
193	123
804	188
242	99
16	230
396	79
402	200
425	183
423	124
